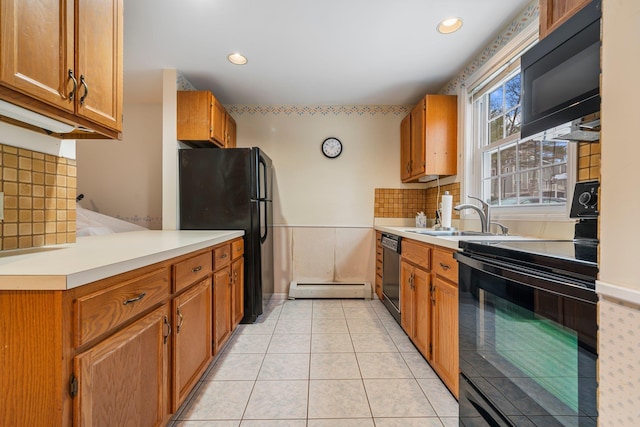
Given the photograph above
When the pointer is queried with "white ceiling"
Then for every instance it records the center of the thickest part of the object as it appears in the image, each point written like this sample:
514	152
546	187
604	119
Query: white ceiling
307	52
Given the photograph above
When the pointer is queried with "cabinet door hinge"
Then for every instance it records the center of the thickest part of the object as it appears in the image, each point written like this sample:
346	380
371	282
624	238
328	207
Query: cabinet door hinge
430	351
73	386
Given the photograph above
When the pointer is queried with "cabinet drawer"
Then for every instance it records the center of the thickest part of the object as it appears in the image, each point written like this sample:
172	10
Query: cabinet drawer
108	308
416	253
221	256
444	265
191	270
237	248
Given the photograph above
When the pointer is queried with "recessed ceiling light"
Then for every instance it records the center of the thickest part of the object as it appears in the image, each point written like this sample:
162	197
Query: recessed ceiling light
237	58
450	25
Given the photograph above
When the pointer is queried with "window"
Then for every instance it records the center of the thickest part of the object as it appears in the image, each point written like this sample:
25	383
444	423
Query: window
514	172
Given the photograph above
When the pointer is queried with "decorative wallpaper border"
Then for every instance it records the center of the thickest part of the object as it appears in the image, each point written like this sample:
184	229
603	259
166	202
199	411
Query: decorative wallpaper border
520	22
183	84
323	110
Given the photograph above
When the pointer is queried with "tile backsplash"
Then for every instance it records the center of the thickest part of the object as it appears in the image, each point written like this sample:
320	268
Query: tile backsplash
588	161
399	202
405	203
39	198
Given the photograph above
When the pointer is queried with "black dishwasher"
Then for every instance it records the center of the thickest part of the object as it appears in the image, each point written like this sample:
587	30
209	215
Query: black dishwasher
391	273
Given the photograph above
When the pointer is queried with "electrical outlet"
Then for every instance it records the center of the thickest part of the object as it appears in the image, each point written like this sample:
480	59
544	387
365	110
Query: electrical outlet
1	206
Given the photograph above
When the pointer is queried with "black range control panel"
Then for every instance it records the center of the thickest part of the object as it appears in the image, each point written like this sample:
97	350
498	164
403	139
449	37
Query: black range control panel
585	200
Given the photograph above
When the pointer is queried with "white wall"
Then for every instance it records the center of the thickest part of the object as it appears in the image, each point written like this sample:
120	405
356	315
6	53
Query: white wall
312	189
619	284
123	178
323	207
170	146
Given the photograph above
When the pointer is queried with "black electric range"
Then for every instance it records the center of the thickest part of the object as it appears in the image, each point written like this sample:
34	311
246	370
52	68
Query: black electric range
527	315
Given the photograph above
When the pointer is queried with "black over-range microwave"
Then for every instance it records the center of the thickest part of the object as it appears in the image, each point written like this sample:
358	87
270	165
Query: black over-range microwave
561	73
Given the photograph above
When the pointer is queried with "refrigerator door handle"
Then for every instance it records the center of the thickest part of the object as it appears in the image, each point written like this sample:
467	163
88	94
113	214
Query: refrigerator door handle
263	182
263	237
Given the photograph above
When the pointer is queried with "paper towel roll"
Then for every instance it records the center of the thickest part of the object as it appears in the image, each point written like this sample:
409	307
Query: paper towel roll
447	206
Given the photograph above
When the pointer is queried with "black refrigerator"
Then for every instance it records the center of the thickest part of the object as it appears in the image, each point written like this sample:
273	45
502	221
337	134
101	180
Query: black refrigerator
230	189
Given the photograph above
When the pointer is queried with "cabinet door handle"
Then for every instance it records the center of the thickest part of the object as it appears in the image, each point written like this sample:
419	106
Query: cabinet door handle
235	277
168	325
181	321
223	256
72	94
196	269
83	82
131	300
444	266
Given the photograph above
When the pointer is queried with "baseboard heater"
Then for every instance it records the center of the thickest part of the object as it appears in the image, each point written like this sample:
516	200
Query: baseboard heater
330	290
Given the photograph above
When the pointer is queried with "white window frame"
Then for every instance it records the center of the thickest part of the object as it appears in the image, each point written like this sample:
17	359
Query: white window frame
472	181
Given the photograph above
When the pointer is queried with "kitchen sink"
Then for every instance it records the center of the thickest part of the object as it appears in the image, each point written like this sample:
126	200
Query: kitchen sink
450	233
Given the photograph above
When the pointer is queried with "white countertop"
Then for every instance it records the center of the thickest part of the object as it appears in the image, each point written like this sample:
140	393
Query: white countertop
93	258
450	242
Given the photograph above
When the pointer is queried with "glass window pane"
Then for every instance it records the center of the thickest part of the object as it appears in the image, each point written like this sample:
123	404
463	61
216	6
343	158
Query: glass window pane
514	172
512	92
554	184
512	122
529	154
529	187
508	188
490	164
554	152
508	159
491	190
496	129
495	102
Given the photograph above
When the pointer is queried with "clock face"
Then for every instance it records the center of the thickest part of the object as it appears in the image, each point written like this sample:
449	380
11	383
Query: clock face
332	147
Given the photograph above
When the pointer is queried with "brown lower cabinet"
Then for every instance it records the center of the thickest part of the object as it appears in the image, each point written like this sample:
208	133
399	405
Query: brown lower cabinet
379	255
415	310
126	350
444	356
429	306
221	308
237	291
191	342
121	380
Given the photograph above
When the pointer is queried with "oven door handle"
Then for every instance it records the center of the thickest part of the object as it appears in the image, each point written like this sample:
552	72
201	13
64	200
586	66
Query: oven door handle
558	285
484	408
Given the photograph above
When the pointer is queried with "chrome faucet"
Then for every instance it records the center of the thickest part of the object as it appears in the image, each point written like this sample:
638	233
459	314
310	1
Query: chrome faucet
483	212
503	228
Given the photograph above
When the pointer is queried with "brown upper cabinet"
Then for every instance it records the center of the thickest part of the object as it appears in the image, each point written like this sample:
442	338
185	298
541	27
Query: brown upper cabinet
64	61
230	131
405	148
428	139
555	12
203	119
219	120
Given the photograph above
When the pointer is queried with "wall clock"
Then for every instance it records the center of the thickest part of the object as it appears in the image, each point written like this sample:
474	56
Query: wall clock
331	147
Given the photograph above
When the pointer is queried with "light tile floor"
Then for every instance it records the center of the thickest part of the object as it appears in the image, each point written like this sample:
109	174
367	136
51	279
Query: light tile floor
320	363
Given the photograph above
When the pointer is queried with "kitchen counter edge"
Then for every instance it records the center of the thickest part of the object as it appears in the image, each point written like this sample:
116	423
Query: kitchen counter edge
92	258
450	242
